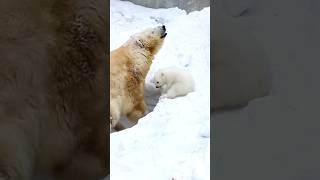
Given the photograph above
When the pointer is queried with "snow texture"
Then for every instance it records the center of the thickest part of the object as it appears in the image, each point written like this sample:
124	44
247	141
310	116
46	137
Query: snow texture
172	141
277	136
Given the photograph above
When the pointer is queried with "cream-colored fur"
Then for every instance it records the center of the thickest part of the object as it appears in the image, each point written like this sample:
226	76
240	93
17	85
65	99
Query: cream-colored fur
129	65
173	82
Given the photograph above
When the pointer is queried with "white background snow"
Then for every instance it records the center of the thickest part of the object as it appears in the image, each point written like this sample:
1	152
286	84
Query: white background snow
171	142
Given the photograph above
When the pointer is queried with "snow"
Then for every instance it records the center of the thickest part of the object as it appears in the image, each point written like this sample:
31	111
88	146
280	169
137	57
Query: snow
270	130
172	141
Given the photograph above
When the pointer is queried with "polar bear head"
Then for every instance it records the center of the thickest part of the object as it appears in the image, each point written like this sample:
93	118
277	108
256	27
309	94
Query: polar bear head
150	39
159	79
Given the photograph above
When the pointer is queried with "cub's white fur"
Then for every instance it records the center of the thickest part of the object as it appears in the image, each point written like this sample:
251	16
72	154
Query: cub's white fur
173	82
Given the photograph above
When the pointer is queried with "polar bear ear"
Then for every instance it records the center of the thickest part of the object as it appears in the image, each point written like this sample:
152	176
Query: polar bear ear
162	74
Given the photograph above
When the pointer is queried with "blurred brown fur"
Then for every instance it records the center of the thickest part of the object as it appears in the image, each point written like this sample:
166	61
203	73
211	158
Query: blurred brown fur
52	94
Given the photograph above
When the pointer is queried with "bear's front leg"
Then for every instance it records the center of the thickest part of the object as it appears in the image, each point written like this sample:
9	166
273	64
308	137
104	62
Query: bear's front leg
119	127
116	125
113	122
164	89
175	91
168	95
138	112
114	115
163	96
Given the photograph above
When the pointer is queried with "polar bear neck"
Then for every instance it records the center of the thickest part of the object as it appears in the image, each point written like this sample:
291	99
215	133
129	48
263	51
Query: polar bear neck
142	59
138	47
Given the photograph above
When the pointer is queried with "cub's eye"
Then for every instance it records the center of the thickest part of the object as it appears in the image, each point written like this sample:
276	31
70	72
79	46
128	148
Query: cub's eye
157	82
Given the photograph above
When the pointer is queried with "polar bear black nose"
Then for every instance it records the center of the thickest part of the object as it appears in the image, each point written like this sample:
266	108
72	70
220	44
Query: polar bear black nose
164	27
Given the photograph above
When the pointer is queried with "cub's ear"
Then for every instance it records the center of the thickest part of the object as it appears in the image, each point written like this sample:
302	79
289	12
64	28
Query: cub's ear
162	74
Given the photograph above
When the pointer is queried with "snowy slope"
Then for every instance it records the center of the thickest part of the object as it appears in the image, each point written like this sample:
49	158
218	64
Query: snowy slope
277	135
171	142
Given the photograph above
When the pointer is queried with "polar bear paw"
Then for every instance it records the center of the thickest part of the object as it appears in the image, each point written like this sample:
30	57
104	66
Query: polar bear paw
168	96
163	97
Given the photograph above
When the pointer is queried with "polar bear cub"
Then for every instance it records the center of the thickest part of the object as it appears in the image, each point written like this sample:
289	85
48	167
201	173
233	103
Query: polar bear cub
173	82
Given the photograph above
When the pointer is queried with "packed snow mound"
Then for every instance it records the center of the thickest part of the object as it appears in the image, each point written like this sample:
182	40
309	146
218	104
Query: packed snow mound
171	142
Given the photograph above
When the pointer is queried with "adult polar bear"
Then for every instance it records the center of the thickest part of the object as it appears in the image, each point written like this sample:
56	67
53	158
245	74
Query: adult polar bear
129	65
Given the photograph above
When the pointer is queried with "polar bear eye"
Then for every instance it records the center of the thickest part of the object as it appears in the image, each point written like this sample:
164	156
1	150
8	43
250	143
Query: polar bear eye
157	82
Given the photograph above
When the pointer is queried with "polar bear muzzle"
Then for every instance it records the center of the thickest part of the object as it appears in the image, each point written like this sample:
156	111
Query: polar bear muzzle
163	31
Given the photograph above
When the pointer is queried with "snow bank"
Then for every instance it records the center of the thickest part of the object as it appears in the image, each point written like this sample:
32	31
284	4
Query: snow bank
172	142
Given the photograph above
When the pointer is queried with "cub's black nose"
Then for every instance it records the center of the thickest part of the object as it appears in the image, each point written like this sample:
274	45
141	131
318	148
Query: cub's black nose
164	27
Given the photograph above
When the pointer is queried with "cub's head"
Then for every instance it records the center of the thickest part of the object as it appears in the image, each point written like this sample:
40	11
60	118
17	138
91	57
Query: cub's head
151	39
159	79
